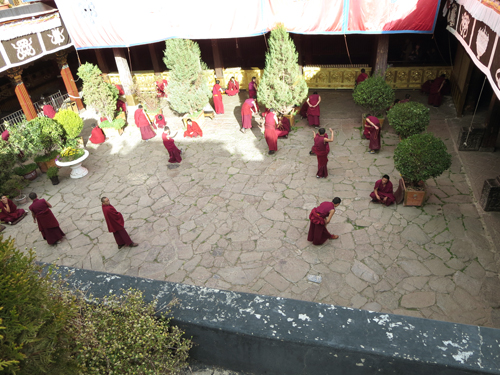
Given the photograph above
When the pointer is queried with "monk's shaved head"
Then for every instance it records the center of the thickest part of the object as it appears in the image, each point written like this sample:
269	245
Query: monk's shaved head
104	199
32	196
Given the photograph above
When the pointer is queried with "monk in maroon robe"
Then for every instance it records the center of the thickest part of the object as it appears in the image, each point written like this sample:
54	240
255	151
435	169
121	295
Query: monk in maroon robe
193	129
5	135
303	110
116	224
161	88
97	136
121	105
313	110
320	216
270	131
283	127
373	125
9	212
248	109
160	120
406	99
252	88
47	223
435	95
321	149
217	96
233	87
120	90
361	77
49	111
168	142
383	191
143	123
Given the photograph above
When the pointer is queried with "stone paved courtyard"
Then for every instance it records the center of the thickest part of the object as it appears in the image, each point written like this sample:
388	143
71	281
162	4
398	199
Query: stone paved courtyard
232	217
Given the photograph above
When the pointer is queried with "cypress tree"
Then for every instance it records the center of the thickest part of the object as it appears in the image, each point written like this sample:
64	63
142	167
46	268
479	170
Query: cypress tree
188	90
282	86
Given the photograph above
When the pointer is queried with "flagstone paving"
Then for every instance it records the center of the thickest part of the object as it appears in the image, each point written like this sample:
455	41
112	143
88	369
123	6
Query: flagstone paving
232	217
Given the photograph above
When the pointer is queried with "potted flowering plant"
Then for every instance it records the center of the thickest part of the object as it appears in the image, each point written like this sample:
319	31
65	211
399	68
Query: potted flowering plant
70	154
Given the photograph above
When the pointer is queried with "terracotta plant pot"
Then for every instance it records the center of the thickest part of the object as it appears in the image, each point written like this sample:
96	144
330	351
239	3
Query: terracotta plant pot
43	166
51	163
412	197
31	176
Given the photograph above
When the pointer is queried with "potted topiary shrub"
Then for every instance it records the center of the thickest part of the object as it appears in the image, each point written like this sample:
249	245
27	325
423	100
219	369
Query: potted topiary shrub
71	122
111	127
418	158
53	174
13	188
409	118
282	85
28	171
46	161
375	96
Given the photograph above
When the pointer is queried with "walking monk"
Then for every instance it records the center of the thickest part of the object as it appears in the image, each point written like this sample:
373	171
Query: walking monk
270	131
47	223
248	108
313	110
168	142
217	95
383	191
252	88
233	87
9	212
372	132
116	224
320	217
143	123
321	148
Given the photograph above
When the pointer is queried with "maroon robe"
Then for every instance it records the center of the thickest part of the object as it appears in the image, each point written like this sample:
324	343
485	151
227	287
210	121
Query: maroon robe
193	130
142	123
361	78
120	90
160	120
232	88
384	191
252	90
285	127
318	233
161	88
246	113
97	136
374	134
173	151
435	95
120	104
116	225
49	111
5	135
368	127
219	106
313	112
270	132
321	149
14	213
47	223
303	109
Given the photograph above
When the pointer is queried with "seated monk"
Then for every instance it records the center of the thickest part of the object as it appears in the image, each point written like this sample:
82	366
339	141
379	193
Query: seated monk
97	136
120	90
48	111
169	143
383	193
193	130
283	127
363	76
9	212
233	87
120	104
5	135
160	120
161	88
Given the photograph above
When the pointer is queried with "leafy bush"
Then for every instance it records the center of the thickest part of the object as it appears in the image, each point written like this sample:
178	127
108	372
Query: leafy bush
117	123
100	95
13	186
44	158
282	85
8	159
26	136
71	122
409	118
187	89
36	317
25	169
374	95
420	157
52	172
121	335
51	134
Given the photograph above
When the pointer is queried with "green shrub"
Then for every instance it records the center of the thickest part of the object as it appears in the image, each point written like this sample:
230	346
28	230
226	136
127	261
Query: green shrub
25	169
117	123
44	158
409	118
420	157
374	95
121	335
50	134
52	172
71	122
35	315
26	136
13	186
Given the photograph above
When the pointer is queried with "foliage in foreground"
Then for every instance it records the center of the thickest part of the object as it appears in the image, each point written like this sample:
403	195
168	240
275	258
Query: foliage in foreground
282	85
71	122
409	118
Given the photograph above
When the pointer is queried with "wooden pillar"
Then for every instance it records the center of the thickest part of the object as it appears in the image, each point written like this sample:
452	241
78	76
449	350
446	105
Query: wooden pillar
298	45
154	58
125	75
219	64
67	76
380	65
492	125
101	61
22	94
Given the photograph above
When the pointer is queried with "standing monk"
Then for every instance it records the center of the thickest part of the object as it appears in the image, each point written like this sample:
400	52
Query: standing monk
9	211
321	148
313	110
373	125
47	223
168	142
116	224
217	95
143	123
361	77
248	109
233	87
320	217
252	88
383	192
270	131
435	95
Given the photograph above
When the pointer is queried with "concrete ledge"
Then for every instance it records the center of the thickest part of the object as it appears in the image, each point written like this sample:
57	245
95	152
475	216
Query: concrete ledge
261	334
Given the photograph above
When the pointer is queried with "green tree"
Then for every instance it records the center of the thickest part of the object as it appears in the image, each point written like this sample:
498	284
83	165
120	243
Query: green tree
374	95
188	90
282	86
100	95
409	118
